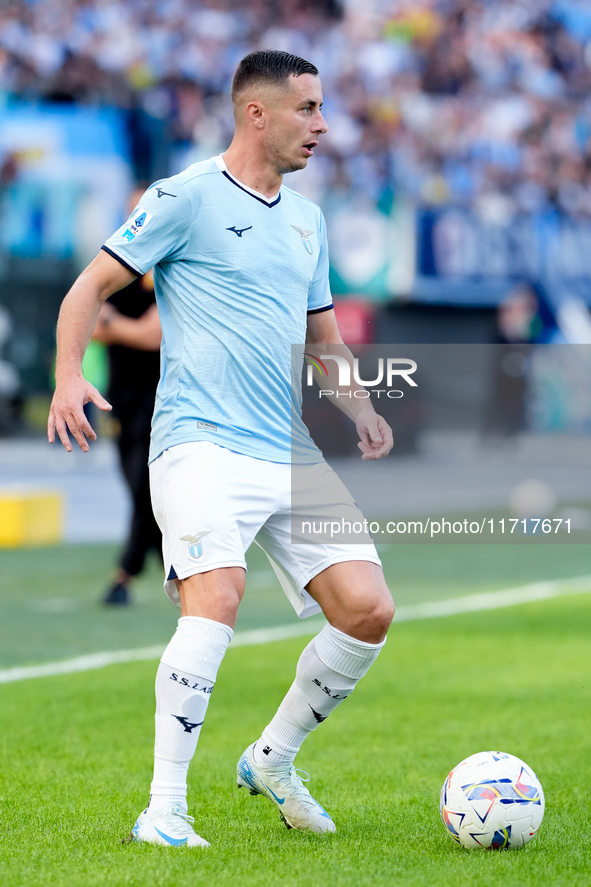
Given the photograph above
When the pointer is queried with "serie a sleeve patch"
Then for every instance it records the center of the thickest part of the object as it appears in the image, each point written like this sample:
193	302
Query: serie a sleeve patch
136	224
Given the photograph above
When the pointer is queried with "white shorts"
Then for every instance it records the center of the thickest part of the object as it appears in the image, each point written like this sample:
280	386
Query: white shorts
210	504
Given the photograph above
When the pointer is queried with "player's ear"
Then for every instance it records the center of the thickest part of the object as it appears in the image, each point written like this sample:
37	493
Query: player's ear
255	114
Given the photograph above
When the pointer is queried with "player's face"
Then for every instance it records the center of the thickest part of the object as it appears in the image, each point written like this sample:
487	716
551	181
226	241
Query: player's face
295	123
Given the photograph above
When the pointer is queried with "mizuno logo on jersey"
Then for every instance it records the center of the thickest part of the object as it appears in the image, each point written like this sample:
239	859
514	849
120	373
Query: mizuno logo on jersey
161	193
305	235
238	231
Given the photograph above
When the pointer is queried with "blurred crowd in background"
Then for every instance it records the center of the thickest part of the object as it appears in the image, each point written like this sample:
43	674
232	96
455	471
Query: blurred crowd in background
455	175
462	101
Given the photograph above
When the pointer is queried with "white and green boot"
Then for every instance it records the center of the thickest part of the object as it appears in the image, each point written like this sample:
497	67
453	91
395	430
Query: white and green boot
170	828
284	787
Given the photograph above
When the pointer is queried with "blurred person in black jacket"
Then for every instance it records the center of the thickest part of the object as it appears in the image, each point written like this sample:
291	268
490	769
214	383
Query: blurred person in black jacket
128	324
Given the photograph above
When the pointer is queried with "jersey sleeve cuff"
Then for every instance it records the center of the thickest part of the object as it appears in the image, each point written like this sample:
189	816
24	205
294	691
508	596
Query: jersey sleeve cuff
124	262
318	310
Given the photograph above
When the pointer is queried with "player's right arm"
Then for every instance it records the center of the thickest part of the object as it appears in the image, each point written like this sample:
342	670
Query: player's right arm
77	318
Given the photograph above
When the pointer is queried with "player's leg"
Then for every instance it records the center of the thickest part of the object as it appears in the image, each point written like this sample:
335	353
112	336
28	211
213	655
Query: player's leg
355	599
186	677
184	683
346	582
359	609
358	605
195	489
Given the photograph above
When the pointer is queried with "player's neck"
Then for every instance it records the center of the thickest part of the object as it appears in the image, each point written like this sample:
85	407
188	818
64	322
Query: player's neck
252	171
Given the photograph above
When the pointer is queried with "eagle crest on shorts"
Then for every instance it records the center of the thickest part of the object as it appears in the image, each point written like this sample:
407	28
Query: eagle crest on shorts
195	546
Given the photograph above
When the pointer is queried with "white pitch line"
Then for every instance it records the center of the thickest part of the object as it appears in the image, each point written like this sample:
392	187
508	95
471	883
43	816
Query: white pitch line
490	600
100	660
493	600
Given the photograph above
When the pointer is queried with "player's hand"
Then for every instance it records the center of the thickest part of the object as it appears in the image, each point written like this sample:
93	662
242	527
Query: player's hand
375	434
66	412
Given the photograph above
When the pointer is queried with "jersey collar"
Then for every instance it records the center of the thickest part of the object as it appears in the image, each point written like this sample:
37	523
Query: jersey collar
221	163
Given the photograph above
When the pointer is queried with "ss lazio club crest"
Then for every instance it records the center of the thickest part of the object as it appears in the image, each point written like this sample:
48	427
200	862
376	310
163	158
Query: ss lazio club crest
305	235
195	545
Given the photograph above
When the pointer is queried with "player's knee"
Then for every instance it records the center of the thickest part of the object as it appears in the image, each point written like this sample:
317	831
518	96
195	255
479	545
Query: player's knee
382	606
371	622
383	613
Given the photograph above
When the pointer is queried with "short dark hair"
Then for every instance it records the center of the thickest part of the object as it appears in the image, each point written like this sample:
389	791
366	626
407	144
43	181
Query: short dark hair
270	66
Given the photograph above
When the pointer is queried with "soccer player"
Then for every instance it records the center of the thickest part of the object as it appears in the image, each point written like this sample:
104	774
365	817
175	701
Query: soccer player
241	274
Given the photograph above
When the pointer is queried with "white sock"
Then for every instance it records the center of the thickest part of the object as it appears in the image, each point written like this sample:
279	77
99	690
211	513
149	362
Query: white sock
327	672
184	683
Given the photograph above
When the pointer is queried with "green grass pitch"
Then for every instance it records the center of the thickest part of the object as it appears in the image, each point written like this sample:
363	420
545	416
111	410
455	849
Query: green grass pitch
75	763
49	597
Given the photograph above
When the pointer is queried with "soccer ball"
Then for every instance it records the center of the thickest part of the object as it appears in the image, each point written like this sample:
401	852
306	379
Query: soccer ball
492	800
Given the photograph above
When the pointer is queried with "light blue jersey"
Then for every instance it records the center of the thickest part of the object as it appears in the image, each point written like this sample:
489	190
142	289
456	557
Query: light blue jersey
235	276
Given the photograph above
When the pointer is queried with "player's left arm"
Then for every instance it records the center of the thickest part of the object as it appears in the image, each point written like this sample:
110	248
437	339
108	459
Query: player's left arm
374	432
